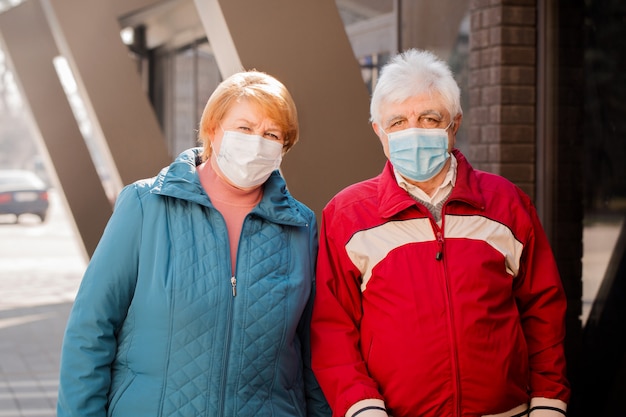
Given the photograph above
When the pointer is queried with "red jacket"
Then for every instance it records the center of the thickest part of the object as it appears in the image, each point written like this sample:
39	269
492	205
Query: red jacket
462	320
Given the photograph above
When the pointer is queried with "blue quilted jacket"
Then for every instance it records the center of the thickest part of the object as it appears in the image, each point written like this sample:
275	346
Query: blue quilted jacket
156	329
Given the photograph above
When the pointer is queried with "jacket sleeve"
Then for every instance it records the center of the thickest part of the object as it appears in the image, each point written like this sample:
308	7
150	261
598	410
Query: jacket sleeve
542	305
100	307
335	339
316	402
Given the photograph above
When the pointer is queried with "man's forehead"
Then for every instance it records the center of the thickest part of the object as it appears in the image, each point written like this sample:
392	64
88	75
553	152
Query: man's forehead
419	103
414	108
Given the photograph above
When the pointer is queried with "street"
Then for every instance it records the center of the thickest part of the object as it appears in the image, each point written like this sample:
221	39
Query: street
41	265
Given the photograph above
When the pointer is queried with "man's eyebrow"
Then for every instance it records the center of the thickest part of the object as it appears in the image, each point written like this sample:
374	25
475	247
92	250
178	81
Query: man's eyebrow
394	117
431	112
399	116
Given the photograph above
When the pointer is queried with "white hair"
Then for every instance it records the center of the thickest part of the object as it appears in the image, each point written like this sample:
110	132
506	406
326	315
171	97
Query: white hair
412	73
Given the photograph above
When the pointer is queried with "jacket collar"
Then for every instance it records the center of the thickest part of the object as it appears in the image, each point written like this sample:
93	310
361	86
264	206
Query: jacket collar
180	180
393	199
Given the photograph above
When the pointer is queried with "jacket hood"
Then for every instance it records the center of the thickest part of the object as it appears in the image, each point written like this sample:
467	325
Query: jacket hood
394	199
180	180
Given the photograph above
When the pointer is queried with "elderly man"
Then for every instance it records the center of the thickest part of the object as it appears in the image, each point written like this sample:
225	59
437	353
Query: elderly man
437	291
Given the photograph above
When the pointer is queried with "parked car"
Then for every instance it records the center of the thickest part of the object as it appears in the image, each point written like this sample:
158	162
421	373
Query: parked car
23	192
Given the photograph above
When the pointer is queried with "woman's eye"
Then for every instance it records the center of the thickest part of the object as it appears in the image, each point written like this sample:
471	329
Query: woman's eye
272	136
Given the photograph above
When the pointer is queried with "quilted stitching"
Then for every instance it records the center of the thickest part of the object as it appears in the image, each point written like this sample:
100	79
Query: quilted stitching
265	304
197	252
199	351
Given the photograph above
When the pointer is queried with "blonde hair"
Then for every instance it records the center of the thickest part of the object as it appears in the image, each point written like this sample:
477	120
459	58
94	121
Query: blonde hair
259	88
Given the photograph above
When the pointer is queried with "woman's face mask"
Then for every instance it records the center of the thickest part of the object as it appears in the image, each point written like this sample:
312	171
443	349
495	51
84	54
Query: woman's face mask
418	154
248	160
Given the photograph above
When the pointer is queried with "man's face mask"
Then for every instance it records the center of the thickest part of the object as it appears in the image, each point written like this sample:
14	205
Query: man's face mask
419	154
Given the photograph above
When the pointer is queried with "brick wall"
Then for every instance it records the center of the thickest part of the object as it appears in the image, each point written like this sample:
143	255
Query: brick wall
503	126
502	89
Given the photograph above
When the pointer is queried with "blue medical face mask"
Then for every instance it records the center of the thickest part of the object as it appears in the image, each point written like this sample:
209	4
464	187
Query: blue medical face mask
419	154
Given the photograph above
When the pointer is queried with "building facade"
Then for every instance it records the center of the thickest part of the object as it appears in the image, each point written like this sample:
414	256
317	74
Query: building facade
542	91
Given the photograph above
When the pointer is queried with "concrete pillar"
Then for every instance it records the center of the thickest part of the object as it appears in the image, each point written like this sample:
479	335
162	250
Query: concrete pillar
31	49
303	44
432	25
87	33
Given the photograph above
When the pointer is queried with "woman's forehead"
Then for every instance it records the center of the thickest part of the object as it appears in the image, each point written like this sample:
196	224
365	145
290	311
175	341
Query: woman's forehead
249	112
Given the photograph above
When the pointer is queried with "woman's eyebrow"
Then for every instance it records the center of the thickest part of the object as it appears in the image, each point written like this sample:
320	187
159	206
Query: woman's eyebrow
242	120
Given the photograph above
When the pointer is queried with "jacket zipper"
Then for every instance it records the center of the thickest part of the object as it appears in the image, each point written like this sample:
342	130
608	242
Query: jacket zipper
233	283
439	254
226	356
453	349
231	304
229	328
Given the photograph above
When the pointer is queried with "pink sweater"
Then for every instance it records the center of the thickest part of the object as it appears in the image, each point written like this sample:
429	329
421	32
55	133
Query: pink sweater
233	203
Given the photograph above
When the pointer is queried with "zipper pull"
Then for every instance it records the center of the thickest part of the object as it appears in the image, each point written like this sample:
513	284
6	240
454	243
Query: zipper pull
439	254
233	282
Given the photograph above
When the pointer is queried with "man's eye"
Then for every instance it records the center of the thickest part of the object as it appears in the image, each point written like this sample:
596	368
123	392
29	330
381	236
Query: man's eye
429	122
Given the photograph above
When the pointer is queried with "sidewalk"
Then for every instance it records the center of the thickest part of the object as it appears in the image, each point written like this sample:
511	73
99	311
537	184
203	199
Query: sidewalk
40	270
33	313
30	339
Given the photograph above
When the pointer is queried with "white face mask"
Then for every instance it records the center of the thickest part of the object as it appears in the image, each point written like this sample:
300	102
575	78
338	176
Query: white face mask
248	160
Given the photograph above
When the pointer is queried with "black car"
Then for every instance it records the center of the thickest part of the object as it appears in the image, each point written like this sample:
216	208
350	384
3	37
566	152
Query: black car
23	192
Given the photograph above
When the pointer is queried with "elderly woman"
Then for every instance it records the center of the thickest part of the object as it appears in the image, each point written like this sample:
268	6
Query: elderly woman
197	300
